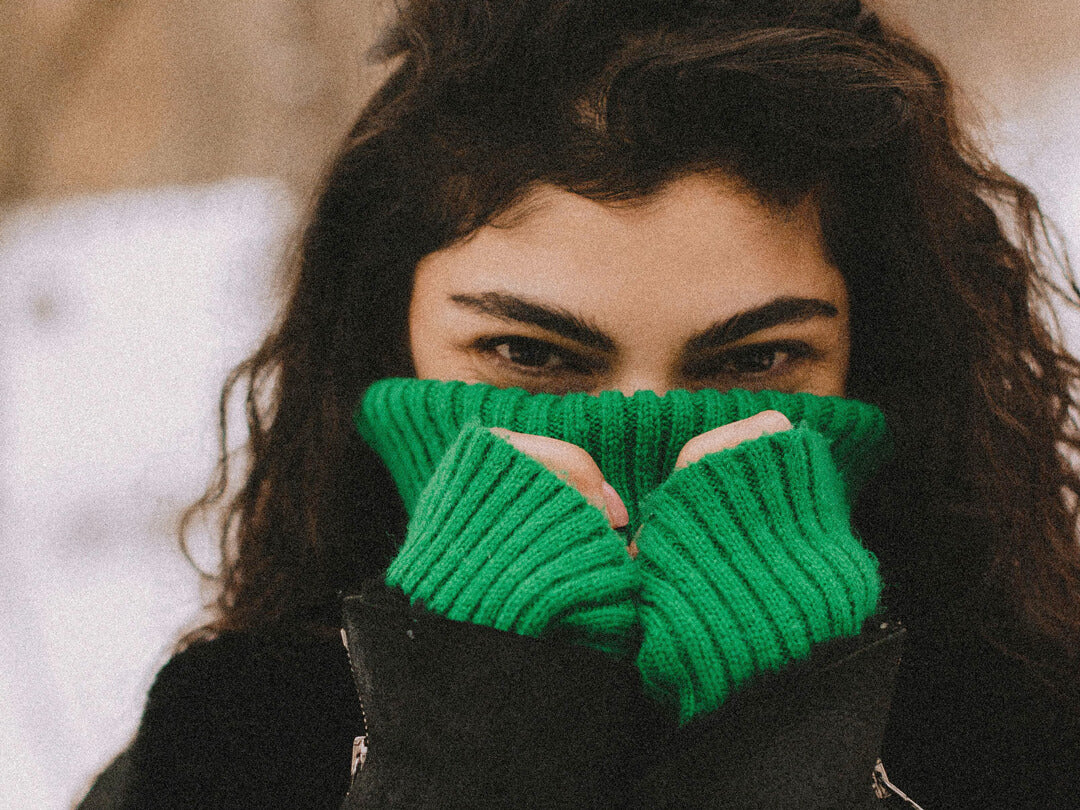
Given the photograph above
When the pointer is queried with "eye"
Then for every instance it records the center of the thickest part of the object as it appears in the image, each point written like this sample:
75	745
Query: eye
528	353
763	360
532	356
755	360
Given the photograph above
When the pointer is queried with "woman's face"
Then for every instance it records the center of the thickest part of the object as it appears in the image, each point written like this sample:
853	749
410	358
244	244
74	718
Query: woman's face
700	286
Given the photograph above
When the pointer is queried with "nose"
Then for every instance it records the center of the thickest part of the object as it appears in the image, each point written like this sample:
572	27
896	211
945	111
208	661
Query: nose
627	385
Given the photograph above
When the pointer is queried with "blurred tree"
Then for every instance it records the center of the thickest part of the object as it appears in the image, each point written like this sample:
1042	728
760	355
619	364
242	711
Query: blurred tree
100	94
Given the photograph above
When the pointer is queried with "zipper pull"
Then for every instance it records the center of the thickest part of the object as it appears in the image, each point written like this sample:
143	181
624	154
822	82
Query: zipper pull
883	788
359	755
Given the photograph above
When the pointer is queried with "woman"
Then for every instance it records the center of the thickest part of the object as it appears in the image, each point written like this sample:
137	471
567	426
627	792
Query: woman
685	198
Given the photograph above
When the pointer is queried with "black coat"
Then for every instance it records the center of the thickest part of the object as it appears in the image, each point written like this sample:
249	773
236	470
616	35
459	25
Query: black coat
457	715
465	716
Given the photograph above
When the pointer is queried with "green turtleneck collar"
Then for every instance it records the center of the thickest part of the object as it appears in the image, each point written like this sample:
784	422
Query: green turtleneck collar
635	439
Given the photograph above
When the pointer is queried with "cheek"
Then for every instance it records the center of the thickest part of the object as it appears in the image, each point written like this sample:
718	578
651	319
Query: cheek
434	354
425	356
832	384
424	346
845	363
431	358
834	375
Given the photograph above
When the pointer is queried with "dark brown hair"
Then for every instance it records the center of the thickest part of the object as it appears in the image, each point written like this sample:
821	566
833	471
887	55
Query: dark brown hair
946	258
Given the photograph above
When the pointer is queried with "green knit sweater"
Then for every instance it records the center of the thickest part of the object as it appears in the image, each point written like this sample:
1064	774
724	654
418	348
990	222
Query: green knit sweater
746	557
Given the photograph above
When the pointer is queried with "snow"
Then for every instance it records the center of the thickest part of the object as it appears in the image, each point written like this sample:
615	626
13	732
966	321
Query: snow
121	315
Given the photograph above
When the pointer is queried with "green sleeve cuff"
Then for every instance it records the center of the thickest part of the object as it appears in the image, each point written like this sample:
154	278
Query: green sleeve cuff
747	560
498	539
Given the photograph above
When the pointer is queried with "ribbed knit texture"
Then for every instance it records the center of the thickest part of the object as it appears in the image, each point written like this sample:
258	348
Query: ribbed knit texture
747	560
498	539
635	439
746	557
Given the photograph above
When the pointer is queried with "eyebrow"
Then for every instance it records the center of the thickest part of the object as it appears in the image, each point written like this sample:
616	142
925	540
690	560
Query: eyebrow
559	321
777	312
553	319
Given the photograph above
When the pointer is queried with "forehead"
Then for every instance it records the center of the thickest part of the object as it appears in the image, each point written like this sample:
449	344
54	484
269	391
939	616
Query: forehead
695	251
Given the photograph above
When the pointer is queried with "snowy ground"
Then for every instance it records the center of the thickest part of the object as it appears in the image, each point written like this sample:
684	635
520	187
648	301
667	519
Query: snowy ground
121	314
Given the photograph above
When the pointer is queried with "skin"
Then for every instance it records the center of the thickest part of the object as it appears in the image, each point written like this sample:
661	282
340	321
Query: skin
698	286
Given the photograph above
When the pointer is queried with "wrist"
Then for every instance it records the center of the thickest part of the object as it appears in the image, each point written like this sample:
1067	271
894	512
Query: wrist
498	539
747	561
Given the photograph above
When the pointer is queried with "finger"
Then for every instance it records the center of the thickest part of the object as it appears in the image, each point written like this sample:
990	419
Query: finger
573	465
616	509
727	436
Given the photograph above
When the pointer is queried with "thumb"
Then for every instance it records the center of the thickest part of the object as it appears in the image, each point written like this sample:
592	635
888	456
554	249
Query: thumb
731	435
574	466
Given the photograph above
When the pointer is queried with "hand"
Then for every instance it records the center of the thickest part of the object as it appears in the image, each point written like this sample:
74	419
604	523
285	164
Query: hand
498	539
574	466
724	438
731	435
748	560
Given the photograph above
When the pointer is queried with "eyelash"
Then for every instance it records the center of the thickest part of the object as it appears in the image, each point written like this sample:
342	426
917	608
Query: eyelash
796	351
570	363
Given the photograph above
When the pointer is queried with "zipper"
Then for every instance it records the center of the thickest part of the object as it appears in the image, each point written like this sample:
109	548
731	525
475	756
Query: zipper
359	746
359	755
883	788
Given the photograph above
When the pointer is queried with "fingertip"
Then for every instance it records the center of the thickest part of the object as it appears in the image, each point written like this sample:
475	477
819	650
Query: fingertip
772	422
616	509
731	435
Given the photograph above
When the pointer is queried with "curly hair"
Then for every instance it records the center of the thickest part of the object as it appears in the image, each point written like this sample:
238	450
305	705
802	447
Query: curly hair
950	272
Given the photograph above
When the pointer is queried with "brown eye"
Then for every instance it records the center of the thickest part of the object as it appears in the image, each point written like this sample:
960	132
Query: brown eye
764	360
756	360
531	354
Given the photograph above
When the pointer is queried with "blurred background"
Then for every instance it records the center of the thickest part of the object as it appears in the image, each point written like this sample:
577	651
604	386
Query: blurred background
155	158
